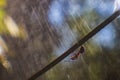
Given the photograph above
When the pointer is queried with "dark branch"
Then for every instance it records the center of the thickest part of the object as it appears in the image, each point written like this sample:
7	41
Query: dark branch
75	46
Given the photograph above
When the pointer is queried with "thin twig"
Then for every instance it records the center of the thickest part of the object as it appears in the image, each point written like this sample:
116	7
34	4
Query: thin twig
75	46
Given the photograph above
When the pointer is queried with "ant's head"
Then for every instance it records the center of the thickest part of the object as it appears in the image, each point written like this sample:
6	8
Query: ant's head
82	50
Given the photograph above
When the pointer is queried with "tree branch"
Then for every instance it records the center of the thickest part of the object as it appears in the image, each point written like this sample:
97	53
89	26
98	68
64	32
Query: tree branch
75	46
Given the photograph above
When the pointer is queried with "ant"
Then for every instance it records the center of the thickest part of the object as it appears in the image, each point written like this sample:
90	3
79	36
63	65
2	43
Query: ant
76	55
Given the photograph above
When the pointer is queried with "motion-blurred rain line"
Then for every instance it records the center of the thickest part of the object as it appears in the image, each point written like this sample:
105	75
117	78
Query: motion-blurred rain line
98	58
50	27
7	26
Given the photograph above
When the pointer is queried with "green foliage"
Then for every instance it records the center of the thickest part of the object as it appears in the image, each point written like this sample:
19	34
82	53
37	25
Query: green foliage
3	28
2	3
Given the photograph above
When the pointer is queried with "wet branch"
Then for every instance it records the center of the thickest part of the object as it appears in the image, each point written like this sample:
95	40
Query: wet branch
75	46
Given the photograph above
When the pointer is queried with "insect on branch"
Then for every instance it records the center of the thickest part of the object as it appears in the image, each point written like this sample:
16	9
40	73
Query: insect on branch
76	45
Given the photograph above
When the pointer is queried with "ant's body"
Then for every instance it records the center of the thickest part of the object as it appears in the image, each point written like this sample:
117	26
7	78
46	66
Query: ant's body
76	55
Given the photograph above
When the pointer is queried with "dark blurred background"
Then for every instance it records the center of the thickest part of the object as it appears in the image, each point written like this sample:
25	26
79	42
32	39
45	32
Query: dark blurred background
34	33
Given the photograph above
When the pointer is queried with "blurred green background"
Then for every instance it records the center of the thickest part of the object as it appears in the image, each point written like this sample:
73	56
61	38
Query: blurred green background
50	27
